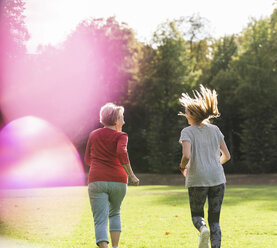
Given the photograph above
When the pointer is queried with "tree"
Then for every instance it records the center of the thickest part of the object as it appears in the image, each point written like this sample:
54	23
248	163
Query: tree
13	35
13	32
92	67
257	93
165	72
220	75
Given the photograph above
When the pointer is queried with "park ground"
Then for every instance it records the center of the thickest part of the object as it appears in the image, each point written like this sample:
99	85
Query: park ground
153	216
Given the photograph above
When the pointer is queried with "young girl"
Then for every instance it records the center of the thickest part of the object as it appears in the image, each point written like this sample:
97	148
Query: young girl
202	161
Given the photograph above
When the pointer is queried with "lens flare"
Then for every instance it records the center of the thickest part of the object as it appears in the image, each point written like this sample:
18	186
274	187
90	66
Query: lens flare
33	153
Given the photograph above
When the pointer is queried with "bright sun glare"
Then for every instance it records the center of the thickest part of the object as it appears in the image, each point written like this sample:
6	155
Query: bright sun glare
49	22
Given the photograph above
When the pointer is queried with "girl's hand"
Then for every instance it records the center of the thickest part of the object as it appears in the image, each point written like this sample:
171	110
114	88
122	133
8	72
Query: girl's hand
183	170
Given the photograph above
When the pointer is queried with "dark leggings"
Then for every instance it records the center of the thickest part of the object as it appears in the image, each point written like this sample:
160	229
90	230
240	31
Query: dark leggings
197	199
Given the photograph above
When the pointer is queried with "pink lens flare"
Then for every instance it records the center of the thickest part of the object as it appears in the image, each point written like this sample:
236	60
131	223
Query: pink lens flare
33	153
65	86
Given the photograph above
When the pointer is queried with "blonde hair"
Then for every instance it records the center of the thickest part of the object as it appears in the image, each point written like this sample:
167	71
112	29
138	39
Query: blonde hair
203	106
109	114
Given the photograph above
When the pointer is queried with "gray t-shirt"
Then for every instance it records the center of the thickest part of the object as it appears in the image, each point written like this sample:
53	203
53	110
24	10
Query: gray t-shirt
204	168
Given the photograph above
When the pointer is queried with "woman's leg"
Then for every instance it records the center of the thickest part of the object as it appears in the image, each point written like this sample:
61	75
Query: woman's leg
215	199
115	235
99	201
117	192
102	244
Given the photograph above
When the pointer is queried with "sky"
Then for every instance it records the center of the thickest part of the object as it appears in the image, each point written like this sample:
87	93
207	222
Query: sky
50	21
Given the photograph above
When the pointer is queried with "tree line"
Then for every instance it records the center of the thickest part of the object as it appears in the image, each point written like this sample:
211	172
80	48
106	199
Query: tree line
148	79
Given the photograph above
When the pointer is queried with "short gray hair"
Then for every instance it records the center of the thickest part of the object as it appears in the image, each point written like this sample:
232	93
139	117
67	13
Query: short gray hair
109	113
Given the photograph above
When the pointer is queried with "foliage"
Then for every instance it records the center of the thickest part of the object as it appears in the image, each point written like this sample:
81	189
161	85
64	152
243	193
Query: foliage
219	74
257	90
104	57
165	72
13	32
13	36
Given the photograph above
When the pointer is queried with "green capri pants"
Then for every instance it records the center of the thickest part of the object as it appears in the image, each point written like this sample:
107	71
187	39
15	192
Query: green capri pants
105	200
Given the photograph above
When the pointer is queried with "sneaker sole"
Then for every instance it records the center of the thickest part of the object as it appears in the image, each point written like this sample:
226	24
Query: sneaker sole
204	239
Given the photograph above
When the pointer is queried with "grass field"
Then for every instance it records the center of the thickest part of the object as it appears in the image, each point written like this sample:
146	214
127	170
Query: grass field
152	216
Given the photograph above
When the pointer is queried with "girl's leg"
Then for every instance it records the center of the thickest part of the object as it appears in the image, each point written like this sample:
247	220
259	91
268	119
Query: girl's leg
215	199
99	201
117	192
197	199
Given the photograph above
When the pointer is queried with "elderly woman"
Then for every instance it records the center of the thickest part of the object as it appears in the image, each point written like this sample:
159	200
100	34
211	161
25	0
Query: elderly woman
107	156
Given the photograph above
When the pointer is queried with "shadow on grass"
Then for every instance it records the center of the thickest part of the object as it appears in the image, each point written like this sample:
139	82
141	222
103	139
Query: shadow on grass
234	195
158	188
266	195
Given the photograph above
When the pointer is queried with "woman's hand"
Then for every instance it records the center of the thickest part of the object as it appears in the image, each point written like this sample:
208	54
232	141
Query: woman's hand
134	180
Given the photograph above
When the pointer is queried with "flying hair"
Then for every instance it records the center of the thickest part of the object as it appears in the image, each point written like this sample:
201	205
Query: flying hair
203	105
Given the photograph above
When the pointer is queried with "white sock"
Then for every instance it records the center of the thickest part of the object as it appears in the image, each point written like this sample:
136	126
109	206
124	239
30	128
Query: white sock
204	228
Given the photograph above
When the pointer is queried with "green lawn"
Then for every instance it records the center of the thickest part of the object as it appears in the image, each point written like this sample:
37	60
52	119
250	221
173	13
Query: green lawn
152	216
